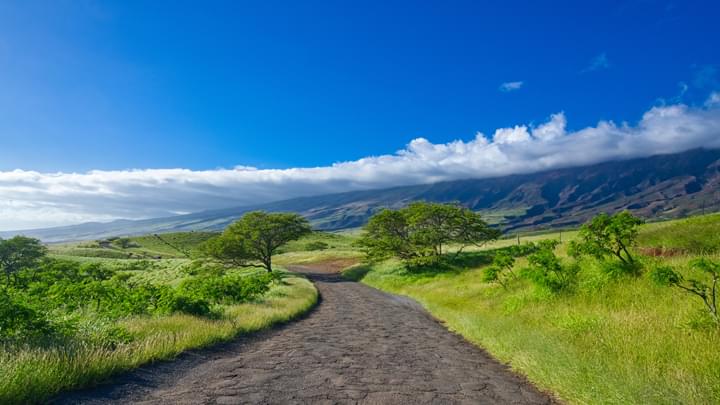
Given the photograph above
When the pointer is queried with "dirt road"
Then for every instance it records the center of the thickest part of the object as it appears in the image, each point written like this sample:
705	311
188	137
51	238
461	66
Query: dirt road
360	345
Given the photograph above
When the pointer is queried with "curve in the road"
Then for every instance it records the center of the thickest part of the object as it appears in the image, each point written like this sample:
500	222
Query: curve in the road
360	345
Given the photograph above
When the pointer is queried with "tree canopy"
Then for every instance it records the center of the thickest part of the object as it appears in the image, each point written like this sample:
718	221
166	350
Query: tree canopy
255	238
19	253
608	235
423	231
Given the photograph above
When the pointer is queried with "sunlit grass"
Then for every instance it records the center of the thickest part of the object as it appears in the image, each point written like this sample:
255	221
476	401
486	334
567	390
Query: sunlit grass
315	257
167	245
699	234
611	341
32	375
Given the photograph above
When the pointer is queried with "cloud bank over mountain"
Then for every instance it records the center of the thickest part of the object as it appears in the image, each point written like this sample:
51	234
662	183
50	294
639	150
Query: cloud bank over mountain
31	199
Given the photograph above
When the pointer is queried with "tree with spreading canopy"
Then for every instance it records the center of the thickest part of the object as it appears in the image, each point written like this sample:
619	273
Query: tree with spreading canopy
422	231
255	238
20	253
608	235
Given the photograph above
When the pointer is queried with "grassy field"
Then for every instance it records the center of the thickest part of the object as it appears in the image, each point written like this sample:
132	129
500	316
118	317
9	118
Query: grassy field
33	372
307	249
611	340
159	246
696	235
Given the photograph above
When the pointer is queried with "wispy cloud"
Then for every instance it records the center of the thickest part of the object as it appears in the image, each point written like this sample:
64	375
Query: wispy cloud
599	62
713	100
34	199
678	98
705	77
511	86
683	89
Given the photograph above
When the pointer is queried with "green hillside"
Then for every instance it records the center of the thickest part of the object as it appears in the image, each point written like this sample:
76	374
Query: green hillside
697	235
156	246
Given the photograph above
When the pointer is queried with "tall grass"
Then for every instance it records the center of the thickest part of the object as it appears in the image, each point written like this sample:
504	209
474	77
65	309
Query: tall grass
699	234
340	246
615	341
32	375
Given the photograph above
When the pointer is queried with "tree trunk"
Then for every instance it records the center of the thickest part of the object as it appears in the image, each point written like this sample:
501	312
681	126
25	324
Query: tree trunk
628	255
618	254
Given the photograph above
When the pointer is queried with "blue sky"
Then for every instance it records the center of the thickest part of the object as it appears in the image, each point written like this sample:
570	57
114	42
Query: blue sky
136	84
133	109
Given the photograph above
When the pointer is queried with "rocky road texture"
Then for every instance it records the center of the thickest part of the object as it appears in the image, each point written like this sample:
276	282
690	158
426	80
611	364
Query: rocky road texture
360	345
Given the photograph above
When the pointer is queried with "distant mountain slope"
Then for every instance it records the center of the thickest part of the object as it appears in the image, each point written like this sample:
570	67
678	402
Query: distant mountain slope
663	186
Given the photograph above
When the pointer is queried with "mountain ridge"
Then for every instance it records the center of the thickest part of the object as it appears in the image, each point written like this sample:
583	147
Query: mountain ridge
660	186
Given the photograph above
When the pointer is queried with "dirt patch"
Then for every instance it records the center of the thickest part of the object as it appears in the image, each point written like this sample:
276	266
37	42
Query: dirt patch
360	345
332	266
662	252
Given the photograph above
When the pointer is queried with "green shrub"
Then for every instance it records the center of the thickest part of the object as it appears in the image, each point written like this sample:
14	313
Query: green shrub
522	250
136	265
102	332
203	267
608	236
173	302
102	253
615	269
546	270
492	274
316	245
20	322
125	243
229	289
706	290
501	270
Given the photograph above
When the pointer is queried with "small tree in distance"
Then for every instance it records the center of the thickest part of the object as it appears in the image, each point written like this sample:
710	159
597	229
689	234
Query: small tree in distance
255	238
608	235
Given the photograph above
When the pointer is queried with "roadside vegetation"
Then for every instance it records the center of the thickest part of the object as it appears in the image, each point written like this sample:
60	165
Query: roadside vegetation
618	312
71	321
320	247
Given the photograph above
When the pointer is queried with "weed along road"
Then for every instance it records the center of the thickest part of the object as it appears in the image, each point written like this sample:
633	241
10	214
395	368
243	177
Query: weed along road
359	345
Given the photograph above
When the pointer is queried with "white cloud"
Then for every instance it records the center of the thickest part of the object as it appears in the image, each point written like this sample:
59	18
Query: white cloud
33	199
511	135
713	100
552	129
599	62
511	86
